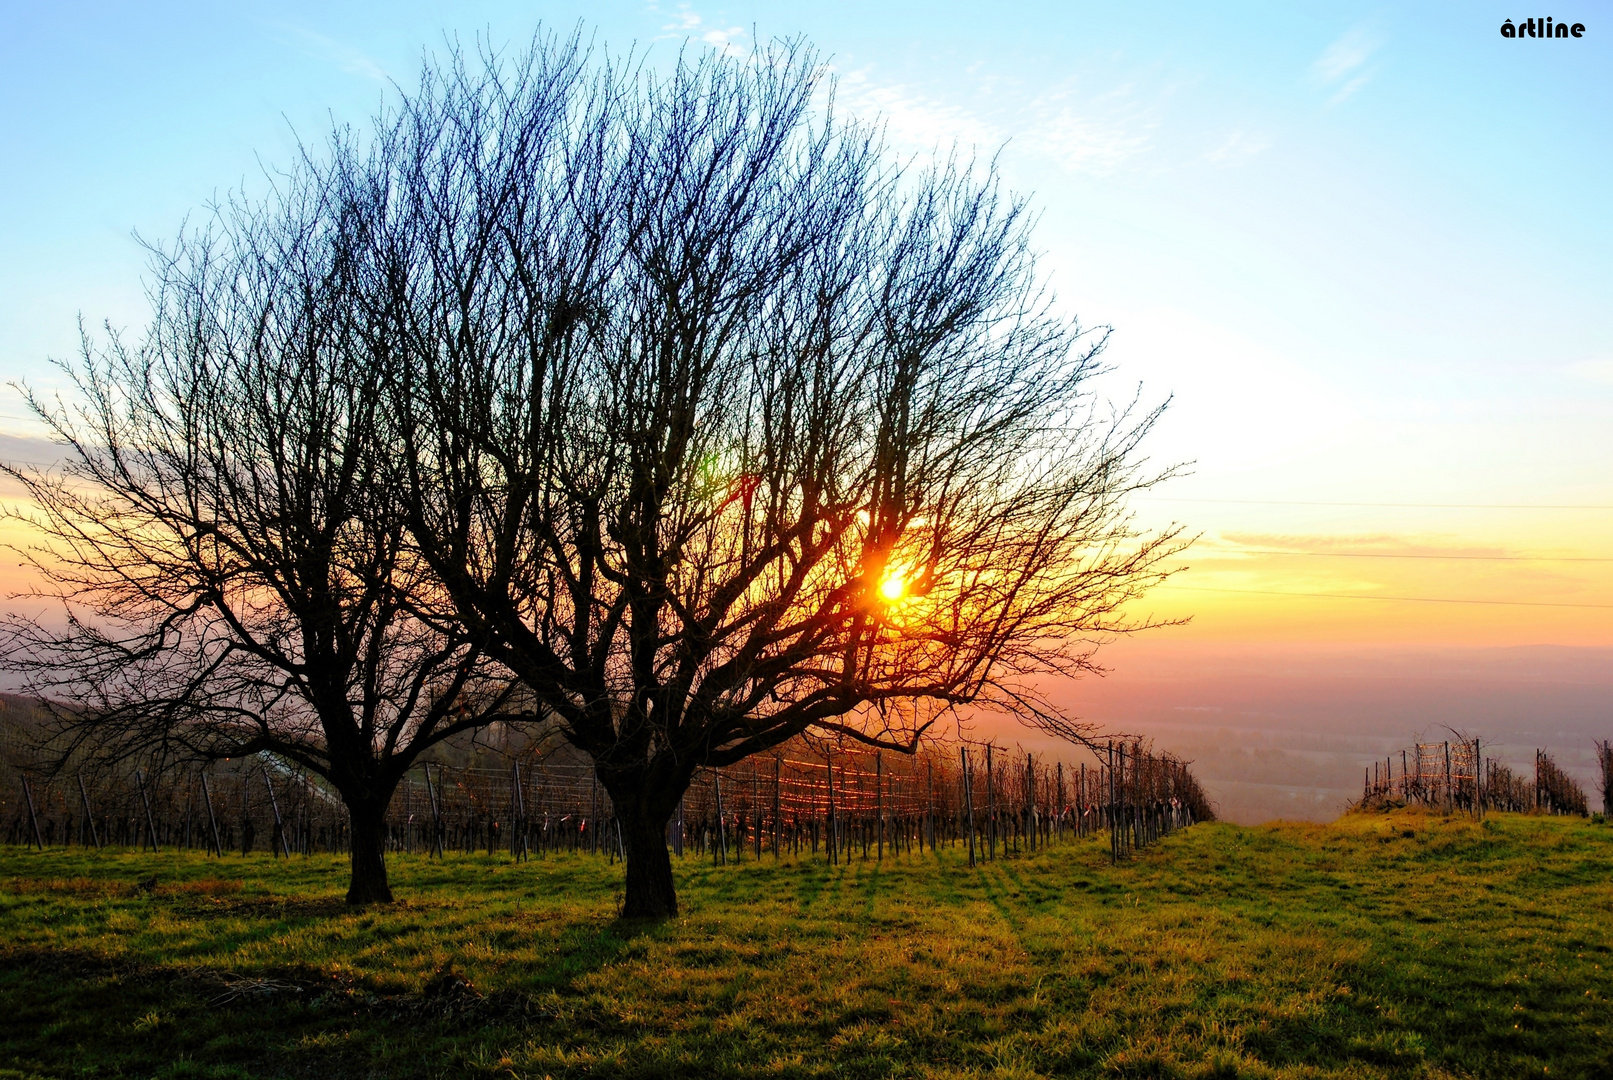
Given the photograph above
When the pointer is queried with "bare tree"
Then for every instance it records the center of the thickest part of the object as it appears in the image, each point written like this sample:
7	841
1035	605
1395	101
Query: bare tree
225	531
722	428
673	397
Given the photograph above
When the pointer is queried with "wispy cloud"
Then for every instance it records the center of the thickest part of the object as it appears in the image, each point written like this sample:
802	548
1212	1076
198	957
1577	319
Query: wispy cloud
1087	143
914	121
689	23
1346	65
346	57
1238	148
1087	134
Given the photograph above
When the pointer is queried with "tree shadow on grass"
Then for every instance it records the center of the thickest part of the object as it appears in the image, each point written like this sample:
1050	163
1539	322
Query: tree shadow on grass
72	1012
299	908
585	946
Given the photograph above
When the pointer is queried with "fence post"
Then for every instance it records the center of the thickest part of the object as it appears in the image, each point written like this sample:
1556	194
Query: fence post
212	821
778	780
151	824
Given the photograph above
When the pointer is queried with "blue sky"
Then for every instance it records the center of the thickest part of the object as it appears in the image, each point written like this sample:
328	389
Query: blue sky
1364	246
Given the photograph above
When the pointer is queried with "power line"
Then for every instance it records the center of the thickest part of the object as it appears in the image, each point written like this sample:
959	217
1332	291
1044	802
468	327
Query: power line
1391	555
1382	505
1397	599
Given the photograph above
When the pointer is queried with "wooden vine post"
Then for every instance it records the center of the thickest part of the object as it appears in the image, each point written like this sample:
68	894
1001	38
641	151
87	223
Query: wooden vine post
721	854
1058	822
33	816
518	845
89	815
279	826
1114	825
964	780
1447	751
832	845
879	806
929	802
436	814
1031	822
151	824
991	808
778	780
677	835
212	819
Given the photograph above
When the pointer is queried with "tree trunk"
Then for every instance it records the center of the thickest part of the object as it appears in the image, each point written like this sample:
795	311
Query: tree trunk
651	893
368	884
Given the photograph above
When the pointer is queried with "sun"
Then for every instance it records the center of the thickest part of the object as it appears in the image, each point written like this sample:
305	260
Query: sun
893	587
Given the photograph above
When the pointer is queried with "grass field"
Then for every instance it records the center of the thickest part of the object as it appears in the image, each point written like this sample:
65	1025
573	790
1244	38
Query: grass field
1399	945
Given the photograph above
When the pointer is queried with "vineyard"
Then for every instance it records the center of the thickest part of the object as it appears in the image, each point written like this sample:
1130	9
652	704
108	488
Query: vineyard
825	802
814	801
1456	776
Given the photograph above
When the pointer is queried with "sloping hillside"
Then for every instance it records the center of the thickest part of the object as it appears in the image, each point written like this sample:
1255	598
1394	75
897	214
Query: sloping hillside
1393	945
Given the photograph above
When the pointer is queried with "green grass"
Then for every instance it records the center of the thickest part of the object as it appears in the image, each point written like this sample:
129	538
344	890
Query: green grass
1398	945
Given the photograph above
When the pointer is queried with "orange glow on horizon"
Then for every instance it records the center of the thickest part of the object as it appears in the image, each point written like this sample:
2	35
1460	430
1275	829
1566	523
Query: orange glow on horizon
1398	590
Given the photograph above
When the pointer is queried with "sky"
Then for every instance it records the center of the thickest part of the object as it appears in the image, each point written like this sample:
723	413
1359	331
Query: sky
1362	249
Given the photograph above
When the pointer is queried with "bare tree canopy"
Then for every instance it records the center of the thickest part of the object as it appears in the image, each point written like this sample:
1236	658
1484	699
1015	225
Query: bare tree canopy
226	531
672	395
722	428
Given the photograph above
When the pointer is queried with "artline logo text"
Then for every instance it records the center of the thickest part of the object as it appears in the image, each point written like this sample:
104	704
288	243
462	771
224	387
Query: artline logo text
1542	28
